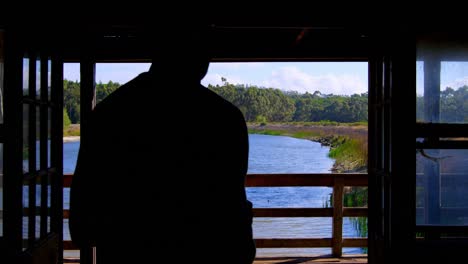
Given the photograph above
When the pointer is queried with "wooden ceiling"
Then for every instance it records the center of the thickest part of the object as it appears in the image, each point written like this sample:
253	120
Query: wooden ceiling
239	34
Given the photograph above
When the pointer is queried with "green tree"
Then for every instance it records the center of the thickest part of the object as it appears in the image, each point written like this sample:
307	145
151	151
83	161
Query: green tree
66	119
71	100
71	97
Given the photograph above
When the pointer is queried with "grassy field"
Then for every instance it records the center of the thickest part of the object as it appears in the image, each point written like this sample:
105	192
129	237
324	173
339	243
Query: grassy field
72	130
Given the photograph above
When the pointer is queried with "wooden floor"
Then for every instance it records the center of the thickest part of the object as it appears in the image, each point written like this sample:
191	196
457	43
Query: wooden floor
355	259
312	260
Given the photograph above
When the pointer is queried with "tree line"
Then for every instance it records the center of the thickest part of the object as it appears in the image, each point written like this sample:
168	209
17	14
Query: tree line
275	105
71	97
258	104
453	105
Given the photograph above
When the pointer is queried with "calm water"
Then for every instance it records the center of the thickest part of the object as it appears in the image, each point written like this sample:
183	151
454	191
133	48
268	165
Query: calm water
277	154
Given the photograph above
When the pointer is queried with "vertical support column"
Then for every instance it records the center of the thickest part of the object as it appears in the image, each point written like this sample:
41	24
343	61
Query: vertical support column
56	154
401	97
432	115
87	100
376	220
33	174
44	125
13	149
337	236
87	92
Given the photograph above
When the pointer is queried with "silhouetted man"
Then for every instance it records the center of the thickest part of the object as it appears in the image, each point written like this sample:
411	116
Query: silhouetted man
160	178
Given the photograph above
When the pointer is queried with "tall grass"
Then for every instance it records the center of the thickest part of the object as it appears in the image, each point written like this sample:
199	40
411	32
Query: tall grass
351	154
348	142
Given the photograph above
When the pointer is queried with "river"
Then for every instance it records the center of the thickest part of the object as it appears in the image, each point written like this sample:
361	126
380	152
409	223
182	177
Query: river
277	154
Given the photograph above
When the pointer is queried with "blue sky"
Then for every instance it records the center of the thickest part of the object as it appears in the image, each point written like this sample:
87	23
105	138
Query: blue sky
342	78
453	74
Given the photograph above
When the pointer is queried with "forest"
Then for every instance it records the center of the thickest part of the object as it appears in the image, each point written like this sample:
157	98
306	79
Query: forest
258	104
71	97
453	105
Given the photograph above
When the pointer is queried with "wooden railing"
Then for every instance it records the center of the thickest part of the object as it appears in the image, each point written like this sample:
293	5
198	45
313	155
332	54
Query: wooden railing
337	212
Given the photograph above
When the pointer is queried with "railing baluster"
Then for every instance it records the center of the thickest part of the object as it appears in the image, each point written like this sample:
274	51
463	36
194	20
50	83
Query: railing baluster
337	236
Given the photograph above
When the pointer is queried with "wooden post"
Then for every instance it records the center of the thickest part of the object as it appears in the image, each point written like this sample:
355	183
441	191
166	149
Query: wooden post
56	154
337	236
87	97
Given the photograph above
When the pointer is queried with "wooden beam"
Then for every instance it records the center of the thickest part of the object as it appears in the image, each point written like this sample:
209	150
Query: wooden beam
424	130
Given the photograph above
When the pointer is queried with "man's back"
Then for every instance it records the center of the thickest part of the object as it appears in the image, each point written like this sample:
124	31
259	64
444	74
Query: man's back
164	173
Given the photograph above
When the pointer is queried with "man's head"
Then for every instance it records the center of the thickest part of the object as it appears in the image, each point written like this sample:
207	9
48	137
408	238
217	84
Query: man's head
181	53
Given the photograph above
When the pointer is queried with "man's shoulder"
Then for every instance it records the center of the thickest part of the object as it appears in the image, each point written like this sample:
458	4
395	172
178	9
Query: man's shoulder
218	100
124	94
224	110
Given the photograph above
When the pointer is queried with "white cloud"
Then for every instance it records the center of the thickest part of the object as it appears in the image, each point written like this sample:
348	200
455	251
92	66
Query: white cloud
215	79
292	78
459	82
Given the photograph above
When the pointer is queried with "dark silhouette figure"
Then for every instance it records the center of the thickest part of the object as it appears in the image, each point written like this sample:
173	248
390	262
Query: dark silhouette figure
160	179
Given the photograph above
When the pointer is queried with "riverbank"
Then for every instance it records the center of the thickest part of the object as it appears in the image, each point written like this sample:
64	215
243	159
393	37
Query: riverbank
347	142
71	139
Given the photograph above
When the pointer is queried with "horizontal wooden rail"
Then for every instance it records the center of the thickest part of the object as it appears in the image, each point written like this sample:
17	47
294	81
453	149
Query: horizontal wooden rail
293	242
282	243
316	179
284	180
355	242
336	181
68	245
273	212
292	212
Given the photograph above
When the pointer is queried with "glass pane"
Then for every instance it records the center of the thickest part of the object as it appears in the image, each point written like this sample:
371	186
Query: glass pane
25	76
1	74
441	89
38	205
454	92
38	79
419	91
1	189
38	138
49	79
25	138
49	130
49	200
25	234
441	186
